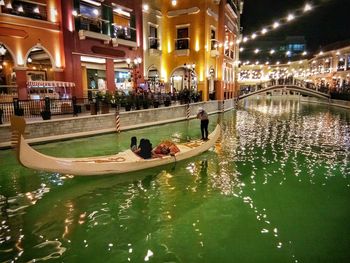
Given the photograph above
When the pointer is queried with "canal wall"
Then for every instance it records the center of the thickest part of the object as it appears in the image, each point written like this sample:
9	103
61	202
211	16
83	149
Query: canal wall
73	127
337	103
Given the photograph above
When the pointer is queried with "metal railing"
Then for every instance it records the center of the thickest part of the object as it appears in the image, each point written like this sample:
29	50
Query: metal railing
124	32
244	90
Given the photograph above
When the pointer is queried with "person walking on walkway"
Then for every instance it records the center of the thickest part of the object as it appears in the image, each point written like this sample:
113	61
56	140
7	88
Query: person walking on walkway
203	116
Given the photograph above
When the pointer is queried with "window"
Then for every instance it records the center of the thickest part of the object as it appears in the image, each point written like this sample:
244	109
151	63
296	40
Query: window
26	9
153	38
182	41
90	18
213	40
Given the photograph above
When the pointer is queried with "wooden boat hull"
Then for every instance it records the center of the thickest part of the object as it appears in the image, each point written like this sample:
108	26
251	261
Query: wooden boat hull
122	162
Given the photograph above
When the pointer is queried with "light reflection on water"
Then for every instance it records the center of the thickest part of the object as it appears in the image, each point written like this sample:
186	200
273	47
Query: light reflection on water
274	190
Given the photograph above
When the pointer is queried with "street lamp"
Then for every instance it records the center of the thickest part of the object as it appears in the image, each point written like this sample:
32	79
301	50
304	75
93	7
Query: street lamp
134	64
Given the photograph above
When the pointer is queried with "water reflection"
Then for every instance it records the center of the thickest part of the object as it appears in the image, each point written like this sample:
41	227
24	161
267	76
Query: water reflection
269	178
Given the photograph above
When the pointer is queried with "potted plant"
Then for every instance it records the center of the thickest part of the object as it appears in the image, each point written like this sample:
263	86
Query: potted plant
155	103
167	101
1	113
145	102
129	102
106	100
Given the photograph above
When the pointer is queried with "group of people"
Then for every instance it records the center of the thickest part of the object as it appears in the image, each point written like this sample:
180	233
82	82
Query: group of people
146	151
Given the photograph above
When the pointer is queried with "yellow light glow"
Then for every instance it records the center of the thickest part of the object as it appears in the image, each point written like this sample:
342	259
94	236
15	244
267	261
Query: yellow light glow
58	59
201	76
169	46
20	58
197	45
164	75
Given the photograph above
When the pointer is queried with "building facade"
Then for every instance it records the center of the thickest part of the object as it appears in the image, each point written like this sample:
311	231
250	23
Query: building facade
99	45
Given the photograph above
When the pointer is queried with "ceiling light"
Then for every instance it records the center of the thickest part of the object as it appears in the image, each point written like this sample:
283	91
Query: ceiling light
174	2
256	51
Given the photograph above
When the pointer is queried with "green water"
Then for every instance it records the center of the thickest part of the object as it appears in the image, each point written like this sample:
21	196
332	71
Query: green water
276	189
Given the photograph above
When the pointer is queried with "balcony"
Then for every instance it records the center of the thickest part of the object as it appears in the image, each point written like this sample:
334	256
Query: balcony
25	9
182	46
214	48
125	36
232	4
154	46
92	28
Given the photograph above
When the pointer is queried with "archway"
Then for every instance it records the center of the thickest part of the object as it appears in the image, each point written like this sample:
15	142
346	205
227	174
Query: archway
183	78
153	80
8	88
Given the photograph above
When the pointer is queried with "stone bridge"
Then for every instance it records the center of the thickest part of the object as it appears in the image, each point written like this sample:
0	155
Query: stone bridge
296	85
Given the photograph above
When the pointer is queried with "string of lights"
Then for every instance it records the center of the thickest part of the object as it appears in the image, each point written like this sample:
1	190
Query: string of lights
277	23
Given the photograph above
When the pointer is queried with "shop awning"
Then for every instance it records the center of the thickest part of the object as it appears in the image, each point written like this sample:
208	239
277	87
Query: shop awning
50	84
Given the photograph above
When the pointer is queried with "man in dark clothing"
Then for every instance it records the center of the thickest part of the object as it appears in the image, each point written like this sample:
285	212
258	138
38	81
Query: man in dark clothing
203	116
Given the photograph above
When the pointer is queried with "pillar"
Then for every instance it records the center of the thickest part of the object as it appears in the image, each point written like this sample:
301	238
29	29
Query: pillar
21	81
110	75
219	86
77	77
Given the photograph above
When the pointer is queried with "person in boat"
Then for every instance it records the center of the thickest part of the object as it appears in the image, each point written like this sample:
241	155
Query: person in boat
165	148
133	144
145	149
203	116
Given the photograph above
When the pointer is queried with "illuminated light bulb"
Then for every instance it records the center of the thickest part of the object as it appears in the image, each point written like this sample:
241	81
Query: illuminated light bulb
304	53
253	36
338	53
2	50
245	39
277	63
290	17
136	61
288	62
241	49
128	60
20	9
74	13
139	60
300	62
275	25
36	10
145	7
9	5
256	51
266	63
220	44
95	11
321	53
231	43
288	53
173	2
272	51
238	41
257	63
30	60
264	31
307	7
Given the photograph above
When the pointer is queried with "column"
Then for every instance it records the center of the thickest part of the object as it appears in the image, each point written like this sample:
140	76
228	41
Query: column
110	75
21	81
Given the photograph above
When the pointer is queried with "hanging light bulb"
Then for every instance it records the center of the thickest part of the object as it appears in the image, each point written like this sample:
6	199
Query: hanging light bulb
290	17
173	2
2	50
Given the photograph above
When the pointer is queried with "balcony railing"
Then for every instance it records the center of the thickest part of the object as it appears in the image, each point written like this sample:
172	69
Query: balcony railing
153	42
26	9
123	32
182	43
91	24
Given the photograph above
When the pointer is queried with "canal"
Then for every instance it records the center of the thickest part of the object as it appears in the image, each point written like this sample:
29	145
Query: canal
275	189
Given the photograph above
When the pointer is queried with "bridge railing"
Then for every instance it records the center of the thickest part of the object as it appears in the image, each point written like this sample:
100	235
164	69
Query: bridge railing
290	81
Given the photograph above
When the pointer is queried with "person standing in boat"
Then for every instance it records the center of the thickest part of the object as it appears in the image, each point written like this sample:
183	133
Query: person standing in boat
203	116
